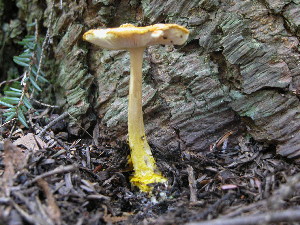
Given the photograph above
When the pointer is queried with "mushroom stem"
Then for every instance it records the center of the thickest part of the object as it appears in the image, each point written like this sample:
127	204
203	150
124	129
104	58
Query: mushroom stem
145	170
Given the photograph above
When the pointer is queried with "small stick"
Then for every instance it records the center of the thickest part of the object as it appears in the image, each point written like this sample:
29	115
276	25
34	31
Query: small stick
192	184
245	209
29	218
10	81
98	197
4	124
216	207
44	45
12	129
53	122
58	170
44	104
88	157
290	215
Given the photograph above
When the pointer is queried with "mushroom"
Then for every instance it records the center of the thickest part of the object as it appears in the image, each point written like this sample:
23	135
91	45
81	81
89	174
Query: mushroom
135	40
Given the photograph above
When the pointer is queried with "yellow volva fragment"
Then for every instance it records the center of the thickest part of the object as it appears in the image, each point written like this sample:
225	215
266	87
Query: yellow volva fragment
145	170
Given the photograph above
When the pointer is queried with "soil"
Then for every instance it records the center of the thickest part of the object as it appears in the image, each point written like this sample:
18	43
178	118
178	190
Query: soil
57	179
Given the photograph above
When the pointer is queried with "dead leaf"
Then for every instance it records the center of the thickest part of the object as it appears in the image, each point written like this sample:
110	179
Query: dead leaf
31	142
14	160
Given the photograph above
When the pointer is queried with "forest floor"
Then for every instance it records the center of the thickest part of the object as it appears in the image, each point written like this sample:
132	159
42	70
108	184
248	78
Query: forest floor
55	179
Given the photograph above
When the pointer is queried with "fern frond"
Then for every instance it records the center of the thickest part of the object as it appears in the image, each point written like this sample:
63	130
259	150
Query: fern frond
16	100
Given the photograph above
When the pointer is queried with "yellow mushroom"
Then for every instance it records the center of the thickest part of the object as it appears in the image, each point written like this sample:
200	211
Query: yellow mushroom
135	40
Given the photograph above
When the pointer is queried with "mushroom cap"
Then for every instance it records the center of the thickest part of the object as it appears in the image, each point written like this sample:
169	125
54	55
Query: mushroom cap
128	36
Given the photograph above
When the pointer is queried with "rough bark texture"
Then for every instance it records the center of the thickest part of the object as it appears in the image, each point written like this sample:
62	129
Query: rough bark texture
241	63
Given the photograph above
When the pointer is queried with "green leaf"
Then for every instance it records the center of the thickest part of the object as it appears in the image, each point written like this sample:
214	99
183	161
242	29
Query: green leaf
29	38
23	108
38	52
42	73
30	24
15	89
13	93
35	85
27	103
22	118
30	45
22	59
20	62
34	68
11	109
12	115
40	78
26	54
6	104
8	113
21	42
10	100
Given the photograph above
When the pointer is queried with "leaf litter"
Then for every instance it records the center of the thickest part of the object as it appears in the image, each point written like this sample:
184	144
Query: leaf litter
77	182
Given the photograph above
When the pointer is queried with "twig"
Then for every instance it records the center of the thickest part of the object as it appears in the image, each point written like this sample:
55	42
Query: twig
98	197
58	170
43	45
59	142
38	215
88	157
284	192
192	184
245	209
53	122
44	104
25	215
10	81
84	130
217	206
4	200
12	129
290	215
4	124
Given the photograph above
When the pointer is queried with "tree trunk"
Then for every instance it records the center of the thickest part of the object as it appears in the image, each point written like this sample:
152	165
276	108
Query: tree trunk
239	69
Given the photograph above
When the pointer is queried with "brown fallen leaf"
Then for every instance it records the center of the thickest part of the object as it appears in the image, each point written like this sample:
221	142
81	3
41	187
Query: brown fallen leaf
31	142
14	159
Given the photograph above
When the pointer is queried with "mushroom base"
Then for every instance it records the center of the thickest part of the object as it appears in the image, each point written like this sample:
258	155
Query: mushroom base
145	170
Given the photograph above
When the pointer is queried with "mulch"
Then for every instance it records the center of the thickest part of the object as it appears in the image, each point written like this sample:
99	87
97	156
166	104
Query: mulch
54	178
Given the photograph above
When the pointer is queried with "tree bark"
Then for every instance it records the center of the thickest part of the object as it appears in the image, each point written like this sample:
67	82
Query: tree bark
240	68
